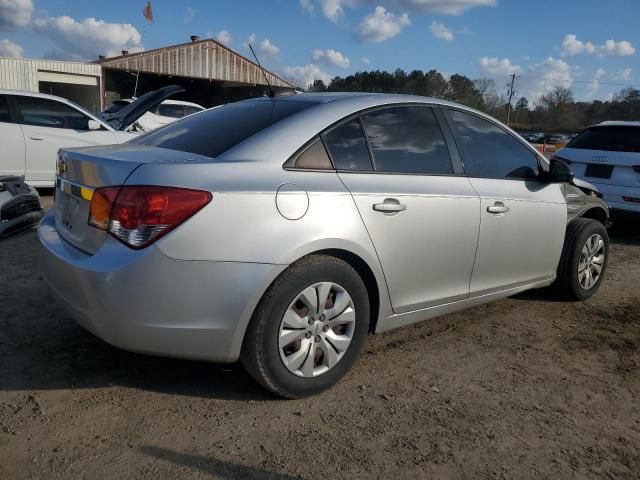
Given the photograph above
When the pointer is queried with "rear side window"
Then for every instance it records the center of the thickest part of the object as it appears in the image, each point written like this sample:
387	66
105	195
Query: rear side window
313	157
612	139
216	130
489	151
347	146
42	112
407	140
4	110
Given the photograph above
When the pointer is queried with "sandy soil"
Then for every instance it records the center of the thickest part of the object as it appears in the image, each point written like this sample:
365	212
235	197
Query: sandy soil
522	388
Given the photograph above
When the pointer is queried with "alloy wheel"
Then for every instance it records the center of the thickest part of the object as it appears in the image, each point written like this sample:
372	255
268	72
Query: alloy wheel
591	261
316	329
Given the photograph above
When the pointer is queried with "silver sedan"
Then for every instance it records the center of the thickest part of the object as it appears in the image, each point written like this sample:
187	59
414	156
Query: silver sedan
281	231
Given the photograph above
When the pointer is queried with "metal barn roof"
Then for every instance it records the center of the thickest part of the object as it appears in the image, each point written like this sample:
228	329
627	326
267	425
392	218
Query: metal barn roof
203	59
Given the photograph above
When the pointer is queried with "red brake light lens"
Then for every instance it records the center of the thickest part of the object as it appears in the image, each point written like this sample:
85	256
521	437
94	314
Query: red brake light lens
139	215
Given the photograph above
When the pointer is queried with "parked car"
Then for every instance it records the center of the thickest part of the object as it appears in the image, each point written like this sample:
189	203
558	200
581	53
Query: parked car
34	126
282	231
163	114
534	137
608	154
555	138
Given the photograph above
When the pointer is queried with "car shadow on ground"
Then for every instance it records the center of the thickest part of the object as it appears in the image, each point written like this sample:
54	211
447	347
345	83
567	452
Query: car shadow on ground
212	466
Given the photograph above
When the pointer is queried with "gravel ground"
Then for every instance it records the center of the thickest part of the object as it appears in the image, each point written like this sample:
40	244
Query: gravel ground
526	387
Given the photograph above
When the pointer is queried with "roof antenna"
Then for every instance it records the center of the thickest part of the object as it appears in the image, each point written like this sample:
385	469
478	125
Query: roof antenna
271	92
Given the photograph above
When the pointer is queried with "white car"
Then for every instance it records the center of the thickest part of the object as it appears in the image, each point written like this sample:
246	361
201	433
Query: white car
163	114
608	156
34	126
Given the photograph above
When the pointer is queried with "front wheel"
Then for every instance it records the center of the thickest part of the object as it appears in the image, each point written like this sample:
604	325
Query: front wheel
308	329
584	259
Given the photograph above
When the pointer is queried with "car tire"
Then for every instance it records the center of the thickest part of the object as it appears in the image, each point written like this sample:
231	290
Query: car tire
579	262
281	315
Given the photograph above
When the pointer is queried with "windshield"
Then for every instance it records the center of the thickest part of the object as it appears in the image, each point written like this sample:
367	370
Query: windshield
214	131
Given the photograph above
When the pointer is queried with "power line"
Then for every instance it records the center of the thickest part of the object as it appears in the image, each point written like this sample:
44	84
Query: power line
579	81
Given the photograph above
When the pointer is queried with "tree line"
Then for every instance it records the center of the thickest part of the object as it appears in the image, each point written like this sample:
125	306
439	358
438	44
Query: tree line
556	111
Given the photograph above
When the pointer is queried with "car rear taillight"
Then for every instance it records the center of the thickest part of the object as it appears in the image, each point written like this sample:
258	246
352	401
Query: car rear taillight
139	215
562	159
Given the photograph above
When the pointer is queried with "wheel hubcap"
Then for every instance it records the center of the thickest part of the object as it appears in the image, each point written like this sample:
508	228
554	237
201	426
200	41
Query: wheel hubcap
316	329
591	261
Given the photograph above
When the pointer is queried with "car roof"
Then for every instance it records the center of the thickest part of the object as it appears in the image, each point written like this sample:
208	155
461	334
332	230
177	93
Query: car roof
617	123
22	93
322	111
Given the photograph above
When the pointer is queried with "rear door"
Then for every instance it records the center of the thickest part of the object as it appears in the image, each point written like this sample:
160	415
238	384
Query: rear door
421	213
49	125
12	159
522	219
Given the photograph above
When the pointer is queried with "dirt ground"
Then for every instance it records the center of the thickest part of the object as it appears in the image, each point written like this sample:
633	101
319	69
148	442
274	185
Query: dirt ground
523	388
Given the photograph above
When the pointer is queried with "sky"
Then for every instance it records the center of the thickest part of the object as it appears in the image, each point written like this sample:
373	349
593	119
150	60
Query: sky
588	45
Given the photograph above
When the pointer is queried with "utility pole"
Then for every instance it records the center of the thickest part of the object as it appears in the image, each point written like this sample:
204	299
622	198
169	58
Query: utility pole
512	92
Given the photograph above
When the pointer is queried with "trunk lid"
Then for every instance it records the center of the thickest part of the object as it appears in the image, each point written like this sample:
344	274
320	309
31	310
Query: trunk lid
81	170
128	114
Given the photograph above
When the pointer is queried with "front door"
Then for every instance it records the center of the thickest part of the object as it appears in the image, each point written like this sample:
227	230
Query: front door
49	125
12	159
422	218
523	220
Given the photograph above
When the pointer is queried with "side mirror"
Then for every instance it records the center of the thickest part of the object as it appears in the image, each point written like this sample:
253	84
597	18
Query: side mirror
93	125
560	172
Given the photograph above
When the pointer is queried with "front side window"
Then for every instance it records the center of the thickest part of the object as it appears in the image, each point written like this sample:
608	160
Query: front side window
608	138
188	109
4	110
407	140
489	151
347	146
43	112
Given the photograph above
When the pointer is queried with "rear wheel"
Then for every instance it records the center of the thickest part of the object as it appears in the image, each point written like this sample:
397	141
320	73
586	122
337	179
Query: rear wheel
584	259
308	329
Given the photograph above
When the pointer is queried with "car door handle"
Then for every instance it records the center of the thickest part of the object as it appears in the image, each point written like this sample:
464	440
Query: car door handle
497	208
36	138
389	206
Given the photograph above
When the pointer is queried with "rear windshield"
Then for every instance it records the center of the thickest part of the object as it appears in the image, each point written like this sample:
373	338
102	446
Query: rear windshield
613	139
216	130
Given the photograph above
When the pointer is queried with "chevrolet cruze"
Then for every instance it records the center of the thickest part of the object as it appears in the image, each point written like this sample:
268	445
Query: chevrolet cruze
281	231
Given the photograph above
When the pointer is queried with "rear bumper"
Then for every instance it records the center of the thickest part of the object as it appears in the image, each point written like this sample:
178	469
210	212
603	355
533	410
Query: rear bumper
613	195
146	302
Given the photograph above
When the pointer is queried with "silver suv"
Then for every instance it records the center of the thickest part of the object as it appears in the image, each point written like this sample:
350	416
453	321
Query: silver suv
281	231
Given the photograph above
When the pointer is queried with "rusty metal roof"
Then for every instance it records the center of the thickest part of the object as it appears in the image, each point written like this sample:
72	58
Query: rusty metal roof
206	59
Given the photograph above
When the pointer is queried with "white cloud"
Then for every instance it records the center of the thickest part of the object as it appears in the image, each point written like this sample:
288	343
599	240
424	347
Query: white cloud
89	38
305	75
623	75
611	48
334	9
15	14
224	37
449	7
572	46
306	5
594	86
365	60
545	76
251	39
439	30
265	46
330	57
495	66
10	49
382	25
268	49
